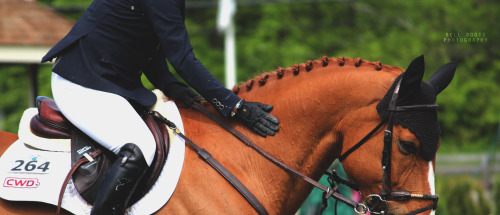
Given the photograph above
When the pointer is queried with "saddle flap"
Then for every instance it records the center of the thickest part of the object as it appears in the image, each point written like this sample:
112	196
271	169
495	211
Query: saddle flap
89	176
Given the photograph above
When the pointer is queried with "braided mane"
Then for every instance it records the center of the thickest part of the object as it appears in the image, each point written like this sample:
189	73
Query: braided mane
307	67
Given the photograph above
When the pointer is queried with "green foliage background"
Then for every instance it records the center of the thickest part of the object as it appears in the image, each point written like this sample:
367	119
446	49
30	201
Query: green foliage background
282	33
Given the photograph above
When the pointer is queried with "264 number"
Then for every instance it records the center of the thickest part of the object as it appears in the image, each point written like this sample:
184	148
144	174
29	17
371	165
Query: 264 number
30	166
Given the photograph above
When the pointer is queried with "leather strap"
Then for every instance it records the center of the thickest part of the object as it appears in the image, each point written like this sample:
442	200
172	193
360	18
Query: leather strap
430	207
94	154
413	107
251	144
207	157
362	141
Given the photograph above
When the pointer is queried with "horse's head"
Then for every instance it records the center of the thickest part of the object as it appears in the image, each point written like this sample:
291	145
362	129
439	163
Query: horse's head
396	163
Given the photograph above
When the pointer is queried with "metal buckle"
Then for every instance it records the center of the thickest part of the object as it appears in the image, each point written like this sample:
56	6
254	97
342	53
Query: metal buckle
387	136
376	205
363	210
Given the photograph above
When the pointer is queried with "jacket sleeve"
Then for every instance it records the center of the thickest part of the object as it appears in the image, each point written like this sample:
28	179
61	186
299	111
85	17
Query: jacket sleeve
167	18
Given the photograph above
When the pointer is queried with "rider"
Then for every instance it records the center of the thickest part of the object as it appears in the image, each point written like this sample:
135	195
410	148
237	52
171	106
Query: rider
96	83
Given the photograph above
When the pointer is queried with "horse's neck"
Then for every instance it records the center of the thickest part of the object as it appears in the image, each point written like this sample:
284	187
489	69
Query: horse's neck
310	107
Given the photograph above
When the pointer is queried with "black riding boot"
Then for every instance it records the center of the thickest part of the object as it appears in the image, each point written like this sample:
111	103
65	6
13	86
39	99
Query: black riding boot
121	181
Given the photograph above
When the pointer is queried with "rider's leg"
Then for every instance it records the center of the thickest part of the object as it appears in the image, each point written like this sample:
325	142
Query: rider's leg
120	182
107	118
111	121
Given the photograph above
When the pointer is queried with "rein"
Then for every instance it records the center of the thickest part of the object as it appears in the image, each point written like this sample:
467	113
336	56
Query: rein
333	192
207	157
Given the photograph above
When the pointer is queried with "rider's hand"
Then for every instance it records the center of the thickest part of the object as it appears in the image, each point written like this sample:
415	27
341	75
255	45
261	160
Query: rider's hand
255	116
180	92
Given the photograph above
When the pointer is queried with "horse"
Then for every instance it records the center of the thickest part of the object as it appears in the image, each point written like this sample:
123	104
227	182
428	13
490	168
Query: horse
325	108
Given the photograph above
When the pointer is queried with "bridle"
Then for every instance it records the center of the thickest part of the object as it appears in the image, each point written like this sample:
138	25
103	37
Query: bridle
377	203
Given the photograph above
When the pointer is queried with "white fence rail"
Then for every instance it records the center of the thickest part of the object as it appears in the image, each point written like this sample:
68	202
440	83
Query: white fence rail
468	164
483	166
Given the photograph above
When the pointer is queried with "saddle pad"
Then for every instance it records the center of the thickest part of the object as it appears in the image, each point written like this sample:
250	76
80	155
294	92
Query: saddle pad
30	174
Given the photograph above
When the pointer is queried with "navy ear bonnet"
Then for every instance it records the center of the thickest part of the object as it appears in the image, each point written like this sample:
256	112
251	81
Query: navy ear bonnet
422	122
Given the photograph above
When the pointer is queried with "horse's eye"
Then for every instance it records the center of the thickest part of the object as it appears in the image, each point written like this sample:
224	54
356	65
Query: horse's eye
407	147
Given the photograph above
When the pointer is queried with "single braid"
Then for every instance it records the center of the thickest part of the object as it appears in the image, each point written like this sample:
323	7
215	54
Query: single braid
309	65
249	84
357	62
280	73
324	61
341	61
263	79
295	69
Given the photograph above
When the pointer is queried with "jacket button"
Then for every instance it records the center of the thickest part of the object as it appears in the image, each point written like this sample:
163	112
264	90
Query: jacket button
218	104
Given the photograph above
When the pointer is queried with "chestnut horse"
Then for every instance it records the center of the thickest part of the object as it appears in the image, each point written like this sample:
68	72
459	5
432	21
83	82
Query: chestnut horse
325	107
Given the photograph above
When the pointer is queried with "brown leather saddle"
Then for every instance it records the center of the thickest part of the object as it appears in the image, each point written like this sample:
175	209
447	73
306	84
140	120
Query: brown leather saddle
87	178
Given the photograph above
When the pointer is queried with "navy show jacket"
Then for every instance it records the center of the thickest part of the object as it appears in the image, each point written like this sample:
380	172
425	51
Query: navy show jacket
115	41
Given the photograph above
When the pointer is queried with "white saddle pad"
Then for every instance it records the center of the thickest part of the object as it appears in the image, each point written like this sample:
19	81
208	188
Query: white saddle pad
31	174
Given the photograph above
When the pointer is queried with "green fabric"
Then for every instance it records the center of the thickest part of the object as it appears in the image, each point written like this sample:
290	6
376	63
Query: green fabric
312	205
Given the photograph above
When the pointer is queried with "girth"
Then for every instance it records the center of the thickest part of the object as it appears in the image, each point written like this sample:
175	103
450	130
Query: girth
90	161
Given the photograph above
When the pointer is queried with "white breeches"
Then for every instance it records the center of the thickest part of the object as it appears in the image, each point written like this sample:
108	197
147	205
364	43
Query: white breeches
107	118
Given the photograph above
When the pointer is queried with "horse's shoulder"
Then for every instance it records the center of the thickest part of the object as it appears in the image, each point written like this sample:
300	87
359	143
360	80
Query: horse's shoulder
6	139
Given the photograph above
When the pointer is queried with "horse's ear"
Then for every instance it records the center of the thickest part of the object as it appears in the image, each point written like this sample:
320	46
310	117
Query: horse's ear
412	77
443	76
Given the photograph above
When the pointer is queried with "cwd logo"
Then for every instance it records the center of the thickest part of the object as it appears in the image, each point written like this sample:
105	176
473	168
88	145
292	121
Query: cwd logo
21	182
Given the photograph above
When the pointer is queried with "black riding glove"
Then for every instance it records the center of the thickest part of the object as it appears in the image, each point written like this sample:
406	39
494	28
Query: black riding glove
255	116
180	92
